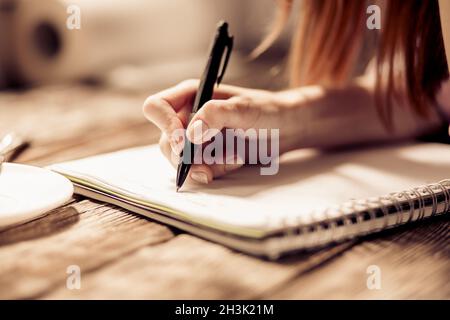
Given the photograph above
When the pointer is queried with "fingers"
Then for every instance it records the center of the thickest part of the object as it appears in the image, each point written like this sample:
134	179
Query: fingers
201	173
204	174
167	151
162	108
169	109
178	96
215	115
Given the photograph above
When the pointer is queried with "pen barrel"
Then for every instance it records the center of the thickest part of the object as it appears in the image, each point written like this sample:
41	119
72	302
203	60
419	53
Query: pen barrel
210	76
188	153
222	42
206	87
187	158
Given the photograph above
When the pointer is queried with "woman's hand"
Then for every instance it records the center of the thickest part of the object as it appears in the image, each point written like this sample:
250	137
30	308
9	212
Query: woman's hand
231	107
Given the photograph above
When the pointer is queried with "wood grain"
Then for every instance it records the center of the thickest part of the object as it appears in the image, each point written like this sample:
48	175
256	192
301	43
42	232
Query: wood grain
35	256
122	255
413	260
63	123
190	268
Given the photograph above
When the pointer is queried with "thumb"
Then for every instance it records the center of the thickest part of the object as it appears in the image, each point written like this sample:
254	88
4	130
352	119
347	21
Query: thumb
215	115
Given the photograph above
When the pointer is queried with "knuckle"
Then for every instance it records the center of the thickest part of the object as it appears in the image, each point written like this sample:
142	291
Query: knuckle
211	108
224	106
162	144
243	104
161	147
172	123
245	107
149	103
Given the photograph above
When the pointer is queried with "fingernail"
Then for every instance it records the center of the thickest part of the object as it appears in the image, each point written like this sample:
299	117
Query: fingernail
231	167
200	177
234	159
232	163
199	131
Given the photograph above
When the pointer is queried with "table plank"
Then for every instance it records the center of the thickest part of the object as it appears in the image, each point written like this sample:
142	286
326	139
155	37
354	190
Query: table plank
35	256
60	128
187	267
413	260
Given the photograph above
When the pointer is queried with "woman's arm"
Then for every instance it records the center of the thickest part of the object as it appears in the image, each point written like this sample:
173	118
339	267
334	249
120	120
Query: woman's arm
444	8
306	117
349	116
443	96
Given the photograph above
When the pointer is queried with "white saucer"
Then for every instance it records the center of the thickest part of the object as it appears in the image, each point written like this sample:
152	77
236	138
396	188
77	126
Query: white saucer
27	192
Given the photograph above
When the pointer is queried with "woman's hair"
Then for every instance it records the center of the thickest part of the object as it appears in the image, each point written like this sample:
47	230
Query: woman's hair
410	57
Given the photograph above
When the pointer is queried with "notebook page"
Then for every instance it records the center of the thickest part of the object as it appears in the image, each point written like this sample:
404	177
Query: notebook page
250	204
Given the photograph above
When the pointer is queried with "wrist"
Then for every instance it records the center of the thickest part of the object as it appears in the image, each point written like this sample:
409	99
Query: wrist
295	117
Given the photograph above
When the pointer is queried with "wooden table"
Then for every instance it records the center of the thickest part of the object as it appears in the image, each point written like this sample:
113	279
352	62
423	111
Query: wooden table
123	255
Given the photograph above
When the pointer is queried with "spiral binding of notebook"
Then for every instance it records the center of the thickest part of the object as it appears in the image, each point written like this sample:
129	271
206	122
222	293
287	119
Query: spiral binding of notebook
361	217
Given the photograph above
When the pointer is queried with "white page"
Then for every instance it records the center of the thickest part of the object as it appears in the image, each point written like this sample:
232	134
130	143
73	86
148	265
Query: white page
306	182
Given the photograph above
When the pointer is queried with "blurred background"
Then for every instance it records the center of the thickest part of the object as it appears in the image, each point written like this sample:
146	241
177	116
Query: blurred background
128	44
74	73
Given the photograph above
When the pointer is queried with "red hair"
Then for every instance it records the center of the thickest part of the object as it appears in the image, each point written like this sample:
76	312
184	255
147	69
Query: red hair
410	58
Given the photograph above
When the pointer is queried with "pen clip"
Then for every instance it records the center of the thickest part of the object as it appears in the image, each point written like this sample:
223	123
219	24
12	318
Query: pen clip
228	47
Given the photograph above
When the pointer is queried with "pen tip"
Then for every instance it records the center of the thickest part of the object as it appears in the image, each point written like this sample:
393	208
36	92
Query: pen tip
178	188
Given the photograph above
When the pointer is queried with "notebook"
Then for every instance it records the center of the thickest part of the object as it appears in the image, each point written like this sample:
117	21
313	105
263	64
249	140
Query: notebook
315	199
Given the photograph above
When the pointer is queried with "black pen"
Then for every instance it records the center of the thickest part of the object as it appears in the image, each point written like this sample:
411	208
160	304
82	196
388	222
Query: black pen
222	41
